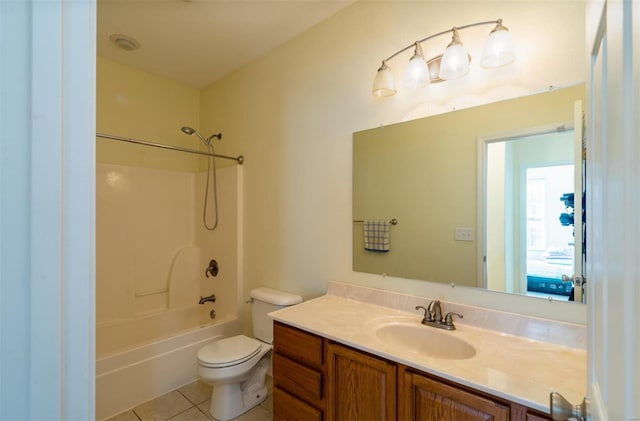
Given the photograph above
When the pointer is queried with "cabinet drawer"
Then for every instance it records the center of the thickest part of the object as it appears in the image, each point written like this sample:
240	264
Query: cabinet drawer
295	378
288	408
300	346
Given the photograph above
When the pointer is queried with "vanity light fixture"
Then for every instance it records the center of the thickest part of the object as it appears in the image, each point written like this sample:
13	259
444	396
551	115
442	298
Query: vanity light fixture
452	64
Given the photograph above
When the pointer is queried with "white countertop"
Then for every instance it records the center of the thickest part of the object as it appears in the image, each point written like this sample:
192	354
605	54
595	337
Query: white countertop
511	367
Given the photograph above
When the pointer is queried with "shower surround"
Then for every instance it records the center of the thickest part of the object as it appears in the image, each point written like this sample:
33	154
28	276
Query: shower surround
152	252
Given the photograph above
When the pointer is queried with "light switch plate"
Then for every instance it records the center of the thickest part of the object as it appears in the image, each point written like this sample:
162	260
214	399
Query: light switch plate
464	234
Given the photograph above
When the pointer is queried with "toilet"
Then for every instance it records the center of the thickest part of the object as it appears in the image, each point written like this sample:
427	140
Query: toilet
237	366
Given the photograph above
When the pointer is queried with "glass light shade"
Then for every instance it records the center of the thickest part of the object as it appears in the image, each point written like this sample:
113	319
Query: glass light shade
455	62
384	84
416	75
498	50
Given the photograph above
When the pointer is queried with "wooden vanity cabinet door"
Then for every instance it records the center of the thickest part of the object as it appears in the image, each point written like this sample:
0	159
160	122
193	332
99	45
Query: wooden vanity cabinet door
423	398
360	386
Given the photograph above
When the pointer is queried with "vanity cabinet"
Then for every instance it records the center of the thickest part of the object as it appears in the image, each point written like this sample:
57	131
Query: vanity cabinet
319	379
360	386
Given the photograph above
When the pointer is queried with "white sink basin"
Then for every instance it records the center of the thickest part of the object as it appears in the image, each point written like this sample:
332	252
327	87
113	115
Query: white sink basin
425	340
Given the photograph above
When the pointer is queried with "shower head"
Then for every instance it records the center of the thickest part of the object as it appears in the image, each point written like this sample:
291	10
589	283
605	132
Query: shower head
207	141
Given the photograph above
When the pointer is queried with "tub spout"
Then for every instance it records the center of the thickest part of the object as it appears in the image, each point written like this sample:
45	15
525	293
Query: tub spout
211	298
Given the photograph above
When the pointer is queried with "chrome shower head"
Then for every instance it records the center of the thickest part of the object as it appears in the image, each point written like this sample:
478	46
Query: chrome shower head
207	141
190	131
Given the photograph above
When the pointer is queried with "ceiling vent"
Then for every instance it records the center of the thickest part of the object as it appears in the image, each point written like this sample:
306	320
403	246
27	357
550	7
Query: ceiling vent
124	42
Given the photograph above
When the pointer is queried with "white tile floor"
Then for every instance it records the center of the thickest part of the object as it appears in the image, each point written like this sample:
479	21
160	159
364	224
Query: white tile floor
191	403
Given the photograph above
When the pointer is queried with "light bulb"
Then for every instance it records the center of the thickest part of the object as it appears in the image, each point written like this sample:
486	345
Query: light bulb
498	51
416	75
455	60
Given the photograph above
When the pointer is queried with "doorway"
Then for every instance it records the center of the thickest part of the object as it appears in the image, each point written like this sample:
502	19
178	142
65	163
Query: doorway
529	245
549	239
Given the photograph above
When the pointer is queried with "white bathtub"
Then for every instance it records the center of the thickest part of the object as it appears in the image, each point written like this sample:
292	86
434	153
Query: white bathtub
141	359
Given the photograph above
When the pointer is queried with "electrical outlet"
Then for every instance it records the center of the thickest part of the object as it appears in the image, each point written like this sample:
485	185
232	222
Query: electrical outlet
464	234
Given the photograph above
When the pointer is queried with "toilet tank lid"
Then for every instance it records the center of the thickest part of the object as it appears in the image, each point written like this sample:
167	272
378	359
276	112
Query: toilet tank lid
276	297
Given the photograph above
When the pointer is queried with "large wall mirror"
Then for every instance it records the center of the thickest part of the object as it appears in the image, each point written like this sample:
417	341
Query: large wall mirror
483	197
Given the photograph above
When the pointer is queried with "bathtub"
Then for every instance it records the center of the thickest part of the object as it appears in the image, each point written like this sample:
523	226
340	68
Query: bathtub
145	357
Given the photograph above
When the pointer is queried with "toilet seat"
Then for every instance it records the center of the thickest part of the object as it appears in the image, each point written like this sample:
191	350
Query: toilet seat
228	352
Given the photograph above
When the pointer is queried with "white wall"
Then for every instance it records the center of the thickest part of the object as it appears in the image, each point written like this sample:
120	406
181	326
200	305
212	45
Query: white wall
292	114
136	104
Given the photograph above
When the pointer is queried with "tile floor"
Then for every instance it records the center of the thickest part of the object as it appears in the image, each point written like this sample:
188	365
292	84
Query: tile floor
191	403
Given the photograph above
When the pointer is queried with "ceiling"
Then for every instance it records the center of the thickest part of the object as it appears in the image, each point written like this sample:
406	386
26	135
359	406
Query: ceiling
198	42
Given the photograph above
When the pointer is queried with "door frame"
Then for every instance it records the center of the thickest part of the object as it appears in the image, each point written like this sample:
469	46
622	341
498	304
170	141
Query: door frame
47	208
482	144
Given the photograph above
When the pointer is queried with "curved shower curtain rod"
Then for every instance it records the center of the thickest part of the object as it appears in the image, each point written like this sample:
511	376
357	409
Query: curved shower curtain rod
239	159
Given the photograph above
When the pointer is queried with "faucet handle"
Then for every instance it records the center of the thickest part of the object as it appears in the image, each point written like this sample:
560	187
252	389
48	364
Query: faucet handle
427	315
212	269
448	319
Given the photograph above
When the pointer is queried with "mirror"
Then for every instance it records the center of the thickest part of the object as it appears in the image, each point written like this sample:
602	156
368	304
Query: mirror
427	174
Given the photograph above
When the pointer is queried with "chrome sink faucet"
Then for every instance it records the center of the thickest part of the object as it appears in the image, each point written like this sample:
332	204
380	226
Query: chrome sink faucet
435	311
433	316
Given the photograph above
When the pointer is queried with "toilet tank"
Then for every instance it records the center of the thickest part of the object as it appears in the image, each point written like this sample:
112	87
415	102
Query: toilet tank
266	300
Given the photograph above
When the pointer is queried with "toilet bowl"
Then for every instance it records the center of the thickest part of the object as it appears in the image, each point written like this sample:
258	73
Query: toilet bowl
237	366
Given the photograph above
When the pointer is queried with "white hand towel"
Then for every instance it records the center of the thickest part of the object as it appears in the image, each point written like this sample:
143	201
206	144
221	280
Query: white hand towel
376	236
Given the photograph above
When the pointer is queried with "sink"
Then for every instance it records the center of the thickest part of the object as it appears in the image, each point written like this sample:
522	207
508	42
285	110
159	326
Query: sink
425	340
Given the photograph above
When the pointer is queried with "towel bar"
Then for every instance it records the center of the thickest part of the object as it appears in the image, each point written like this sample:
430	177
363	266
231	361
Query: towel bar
394	221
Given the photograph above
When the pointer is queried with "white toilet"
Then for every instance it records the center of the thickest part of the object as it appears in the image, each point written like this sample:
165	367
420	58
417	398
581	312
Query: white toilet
237	366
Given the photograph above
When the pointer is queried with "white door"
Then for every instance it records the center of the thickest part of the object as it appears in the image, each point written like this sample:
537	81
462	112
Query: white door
578	182
47	167
613	204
